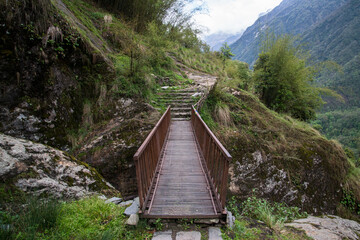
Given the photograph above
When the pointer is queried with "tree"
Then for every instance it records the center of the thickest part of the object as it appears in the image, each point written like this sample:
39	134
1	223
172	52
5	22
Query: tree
284	78
226	53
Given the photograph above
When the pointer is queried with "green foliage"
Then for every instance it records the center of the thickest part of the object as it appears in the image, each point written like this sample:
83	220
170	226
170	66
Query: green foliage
284	78
240	74
158	224
273	214
349	202
225	52
140	12
241	230
343	125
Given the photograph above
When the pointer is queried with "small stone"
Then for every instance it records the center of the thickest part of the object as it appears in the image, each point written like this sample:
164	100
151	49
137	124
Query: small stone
166	235
193	235
207	221
165	87
196	94
133	220
102	197
114	200
134	208
230	219
127	203
214	233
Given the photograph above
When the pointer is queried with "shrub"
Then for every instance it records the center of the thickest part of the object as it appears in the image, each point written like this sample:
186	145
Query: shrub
272	214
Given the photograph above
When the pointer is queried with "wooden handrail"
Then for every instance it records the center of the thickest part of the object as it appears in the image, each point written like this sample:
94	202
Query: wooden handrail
147	156
216	157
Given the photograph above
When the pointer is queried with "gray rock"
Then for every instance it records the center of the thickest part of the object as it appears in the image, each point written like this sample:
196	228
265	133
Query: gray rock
114	200
102	197
38	169
329	227
193	235
134	208
166	235
230	219
214	233
133	220
127	203
207	221
196	94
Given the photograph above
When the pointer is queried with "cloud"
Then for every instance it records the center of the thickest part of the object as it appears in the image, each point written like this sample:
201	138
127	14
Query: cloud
232	16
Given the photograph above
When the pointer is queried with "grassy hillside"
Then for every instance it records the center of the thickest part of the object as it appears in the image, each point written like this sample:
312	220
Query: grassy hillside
73	61
284	159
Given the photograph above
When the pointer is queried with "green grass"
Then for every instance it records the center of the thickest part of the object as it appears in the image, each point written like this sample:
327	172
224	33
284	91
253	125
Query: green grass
88	218
37	216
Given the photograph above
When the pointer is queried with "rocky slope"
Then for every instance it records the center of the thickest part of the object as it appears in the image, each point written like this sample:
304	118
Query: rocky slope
110	147
51	75
36	169
59	86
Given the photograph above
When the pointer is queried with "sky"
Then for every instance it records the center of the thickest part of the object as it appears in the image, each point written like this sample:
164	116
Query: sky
232	16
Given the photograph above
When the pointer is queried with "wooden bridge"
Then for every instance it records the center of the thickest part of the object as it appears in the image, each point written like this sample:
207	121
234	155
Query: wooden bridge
182	170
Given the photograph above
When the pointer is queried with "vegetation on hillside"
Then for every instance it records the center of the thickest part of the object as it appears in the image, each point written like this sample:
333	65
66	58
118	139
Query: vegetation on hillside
245	125
284	78
329	30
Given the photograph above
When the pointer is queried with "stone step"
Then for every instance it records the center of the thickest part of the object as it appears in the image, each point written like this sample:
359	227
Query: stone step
180	119
214	233
181	115
173	98
180	105
181	109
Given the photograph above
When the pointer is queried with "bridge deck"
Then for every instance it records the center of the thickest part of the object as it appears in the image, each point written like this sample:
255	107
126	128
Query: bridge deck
182	188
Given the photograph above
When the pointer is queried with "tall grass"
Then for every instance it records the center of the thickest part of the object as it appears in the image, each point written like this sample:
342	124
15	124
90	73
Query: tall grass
36	216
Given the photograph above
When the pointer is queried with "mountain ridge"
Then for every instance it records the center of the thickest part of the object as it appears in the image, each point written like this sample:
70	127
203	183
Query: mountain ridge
283	19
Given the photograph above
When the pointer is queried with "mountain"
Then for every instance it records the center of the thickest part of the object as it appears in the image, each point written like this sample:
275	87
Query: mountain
291	16
216	40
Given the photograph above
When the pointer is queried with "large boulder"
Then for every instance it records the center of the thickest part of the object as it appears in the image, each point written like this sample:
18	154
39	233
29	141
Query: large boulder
44	171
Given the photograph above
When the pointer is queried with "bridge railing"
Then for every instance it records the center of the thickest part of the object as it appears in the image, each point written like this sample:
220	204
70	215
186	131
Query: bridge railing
217	158
147	156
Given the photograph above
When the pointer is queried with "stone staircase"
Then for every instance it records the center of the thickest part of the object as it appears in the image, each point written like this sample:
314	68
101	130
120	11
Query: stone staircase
180	102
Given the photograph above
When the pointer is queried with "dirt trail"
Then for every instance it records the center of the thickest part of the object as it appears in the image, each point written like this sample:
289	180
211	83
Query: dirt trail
202	80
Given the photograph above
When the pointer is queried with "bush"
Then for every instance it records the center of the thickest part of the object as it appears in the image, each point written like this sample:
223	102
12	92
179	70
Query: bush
284	79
